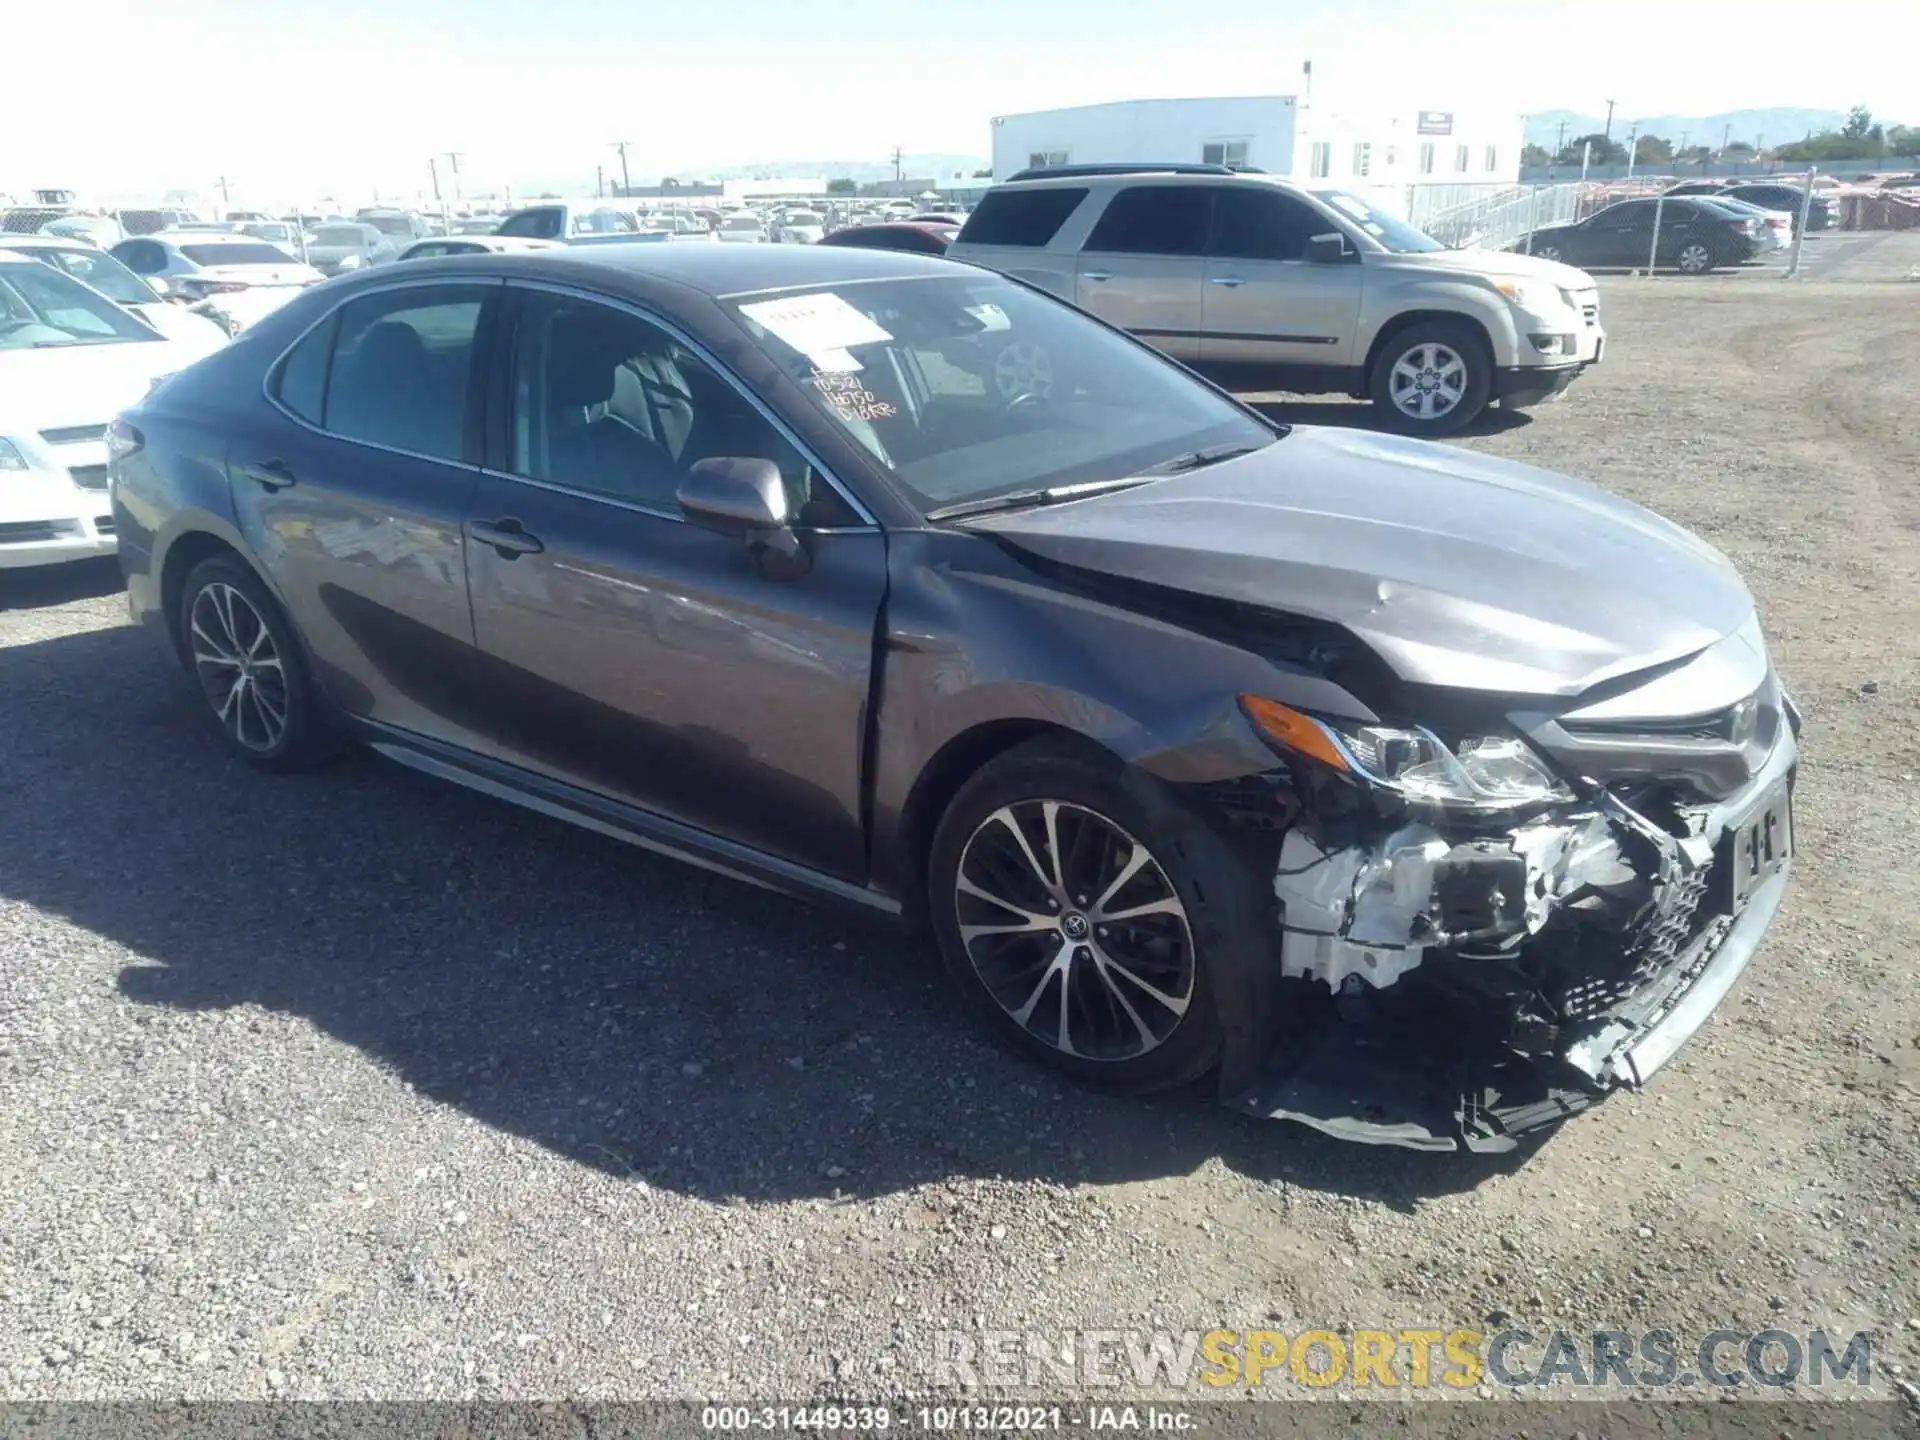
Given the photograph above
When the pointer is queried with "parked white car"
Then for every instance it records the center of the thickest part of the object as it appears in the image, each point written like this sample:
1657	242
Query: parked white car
99	269
199	263
474	245
801	227
70	360
342	245
742	229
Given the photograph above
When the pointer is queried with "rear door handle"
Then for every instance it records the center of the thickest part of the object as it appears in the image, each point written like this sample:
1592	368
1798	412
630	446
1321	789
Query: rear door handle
273	474
1096	275
1228	280
507	536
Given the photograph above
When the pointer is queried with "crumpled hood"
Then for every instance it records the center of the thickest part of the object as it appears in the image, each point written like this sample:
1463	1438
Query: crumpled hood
1458	569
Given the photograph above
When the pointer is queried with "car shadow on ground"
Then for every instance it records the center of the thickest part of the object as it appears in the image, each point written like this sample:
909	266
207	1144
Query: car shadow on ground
637	1015
47	585
1360	415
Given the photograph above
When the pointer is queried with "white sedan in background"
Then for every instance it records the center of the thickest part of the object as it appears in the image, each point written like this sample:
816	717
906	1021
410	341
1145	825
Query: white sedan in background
801	227
97	268
70	360
199	263
742	229
438	245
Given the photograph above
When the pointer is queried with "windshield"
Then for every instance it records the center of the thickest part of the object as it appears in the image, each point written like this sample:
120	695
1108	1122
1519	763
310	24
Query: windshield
269	231
970	387
802	217
101	271
741	222
338	235
541	224
245	253
45	309
394	227
1389	230
603	222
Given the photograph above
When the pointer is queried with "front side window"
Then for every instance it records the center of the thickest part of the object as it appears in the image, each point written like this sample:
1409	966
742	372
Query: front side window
1153	220
968	386
1020	217
143	257
1046	159
1253	223
1623	216
606	403
46	309
1232	153
400	367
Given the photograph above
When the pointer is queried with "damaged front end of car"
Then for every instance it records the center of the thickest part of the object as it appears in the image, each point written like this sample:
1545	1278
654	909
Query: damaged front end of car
1484	934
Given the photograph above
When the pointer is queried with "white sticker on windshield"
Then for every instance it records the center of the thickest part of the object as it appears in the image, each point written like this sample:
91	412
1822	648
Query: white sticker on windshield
816	324
838	362
1352	206
990	316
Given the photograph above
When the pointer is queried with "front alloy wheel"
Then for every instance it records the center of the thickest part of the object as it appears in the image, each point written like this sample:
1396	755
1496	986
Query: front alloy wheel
1695	258
1075	931
1428	382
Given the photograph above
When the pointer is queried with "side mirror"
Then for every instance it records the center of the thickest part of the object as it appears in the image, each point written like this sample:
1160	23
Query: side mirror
1328	249
745	498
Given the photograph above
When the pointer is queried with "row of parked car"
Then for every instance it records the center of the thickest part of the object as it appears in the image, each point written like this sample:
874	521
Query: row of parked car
1702	225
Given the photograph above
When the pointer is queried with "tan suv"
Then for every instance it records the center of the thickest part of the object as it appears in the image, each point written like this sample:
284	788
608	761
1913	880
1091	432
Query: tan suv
1262	284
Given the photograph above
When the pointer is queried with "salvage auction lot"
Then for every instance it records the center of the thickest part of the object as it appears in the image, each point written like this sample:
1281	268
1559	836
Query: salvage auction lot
351	1084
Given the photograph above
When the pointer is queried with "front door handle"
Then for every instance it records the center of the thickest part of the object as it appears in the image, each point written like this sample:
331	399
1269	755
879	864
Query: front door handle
1096	275
1228	280
507	536
273	474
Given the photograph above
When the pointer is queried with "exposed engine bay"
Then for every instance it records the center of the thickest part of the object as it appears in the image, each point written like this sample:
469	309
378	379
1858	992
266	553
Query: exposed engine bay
1484	984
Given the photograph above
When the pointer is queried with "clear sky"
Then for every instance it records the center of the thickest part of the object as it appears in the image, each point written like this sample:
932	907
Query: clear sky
341	96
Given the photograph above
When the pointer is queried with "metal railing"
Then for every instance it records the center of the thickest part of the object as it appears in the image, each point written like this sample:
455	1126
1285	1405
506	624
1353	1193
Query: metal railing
1496	220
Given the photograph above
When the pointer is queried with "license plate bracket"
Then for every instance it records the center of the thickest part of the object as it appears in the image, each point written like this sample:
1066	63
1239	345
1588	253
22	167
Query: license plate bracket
1758	845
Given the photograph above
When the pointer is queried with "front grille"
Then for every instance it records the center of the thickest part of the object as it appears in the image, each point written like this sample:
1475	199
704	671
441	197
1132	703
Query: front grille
1722	725
74	434
89	477
27	532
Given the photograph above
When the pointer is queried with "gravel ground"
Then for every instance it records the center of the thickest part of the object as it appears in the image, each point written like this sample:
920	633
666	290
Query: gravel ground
354	1085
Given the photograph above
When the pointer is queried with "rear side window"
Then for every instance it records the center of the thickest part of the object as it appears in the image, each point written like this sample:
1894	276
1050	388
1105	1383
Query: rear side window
1154	220
542	224
301	385
390	369
1020	217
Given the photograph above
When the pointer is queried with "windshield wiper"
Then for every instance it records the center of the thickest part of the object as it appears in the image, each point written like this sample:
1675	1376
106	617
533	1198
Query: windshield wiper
1023	499
1197	459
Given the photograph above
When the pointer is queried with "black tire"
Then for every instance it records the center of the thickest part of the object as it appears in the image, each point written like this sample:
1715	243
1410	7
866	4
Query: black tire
1548	252
230	627
1445	342
1684	257
1187	864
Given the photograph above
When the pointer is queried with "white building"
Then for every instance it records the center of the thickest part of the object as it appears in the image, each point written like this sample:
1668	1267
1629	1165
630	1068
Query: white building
1358	146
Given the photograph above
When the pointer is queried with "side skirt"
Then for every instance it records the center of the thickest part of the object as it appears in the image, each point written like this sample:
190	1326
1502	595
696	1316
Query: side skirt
621	821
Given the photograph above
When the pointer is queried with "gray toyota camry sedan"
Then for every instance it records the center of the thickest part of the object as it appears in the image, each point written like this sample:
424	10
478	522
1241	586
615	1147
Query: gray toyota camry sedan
1420	797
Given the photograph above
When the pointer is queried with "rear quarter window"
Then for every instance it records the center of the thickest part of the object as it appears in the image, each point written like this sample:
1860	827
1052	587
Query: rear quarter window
1020	217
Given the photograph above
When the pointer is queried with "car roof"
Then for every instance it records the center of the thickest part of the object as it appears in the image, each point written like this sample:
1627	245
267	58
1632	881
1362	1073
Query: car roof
41	238
200	237
714	270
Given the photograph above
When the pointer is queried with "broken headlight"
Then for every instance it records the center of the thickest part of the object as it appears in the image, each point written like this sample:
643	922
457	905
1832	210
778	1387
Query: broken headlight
1488	772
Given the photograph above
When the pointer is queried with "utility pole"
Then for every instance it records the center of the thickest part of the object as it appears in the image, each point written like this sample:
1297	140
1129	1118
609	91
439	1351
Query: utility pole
223	193
1560	144
599	181
1633	147
621	147
453	159
1607	132
896	164
1726	137
433	169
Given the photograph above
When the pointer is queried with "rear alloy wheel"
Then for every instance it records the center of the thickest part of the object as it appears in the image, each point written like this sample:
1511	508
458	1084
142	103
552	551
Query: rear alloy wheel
249	668
1061	911
1695	258
1433	378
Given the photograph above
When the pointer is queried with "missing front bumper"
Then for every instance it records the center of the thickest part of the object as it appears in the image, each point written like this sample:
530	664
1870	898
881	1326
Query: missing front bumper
1367	1083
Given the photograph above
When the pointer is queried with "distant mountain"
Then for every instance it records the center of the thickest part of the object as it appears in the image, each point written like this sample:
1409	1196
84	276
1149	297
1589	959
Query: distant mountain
1756	127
